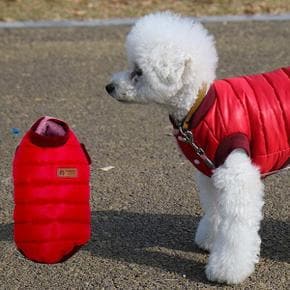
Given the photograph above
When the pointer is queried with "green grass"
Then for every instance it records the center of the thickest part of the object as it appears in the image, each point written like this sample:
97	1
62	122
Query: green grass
88	9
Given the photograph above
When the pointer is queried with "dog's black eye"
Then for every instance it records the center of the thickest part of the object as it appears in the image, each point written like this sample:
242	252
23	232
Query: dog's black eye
136	72
139	72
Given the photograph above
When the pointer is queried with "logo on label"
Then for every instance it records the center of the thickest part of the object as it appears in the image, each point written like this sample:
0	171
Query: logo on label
67	172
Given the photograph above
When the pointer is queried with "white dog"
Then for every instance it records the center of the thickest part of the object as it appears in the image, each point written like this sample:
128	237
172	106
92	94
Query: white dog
172	62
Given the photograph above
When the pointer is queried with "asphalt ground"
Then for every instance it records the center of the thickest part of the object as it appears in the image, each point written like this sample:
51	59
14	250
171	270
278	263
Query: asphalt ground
145	210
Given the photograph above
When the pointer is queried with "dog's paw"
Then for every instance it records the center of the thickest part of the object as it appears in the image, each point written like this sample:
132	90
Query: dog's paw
205	234
228	268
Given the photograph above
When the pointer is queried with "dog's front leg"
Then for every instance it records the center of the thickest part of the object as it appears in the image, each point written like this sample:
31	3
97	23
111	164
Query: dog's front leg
207	227
240	199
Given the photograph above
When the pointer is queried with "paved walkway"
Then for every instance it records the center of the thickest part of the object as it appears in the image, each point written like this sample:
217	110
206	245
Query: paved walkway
145	210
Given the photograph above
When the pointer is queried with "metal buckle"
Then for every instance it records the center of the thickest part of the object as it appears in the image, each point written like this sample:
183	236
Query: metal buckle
188	138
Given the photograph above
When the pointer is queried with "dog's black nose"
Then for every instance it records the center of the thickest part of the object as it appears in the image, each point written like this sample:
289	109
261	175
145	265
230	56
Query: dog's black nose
110	88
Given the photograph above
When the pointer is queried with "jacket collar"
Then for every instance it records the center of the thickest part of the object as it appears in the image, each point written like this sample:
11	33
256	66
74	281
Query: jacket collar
43	140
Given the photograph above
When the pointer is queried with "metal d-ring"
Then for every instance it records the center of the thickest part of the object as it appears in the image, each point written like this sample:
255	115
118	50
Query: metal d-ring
187	137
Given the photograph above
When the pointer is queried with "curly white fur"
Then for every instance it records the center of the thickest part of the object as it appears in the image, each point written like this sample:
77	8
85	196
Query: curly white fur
236	245
170	57
176	56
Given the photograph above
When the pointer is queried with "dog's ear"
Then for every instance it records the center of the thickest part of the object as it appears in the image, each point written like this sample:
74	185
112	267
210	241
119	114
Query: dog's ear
168	69
187	72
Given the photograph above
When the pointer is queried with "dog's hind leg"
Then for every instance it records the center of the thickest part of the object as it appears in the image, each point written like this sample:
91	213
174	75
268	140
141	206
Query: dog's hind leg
240	200
208	225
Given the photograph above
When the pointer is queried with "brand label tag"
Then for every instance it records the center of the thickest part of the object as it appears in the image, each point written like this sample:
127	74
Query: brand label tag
67	172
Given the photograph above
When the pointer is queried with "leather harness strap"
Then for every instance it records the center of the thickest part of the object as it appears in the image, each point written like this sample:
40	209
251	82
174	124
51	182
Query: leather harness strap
184	129
200	96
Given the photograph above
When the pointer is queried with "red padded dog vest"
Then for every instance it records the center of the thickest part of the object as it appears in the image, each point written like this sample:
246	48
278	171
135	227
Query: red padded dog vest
248	112
51	192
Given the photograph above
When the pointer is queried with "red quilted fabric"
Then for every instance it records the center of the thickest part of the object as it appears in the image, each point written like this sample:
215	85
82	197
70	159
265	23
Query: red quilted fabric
51	192
249	112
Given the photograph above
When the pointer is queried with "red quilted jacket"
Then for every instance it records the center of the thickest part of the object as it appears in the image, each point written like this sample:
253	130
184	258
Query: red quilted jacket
51	192
248	112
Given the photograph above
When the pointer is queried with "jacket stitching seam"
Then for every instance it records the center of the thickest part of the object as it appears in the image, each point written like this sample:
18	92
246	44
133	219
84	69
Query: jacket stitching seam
284	71
219	112
243	105
279	102
211	131
259	115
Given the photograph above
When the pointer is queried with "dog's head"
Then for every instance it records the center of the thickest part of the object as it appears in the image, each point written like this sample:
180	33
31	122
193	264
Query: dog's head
166	54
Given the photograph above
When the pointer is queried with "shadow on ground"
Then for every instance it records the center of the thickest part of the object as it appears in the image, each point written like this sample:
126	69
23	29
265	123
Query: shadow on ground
161	240
156	240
